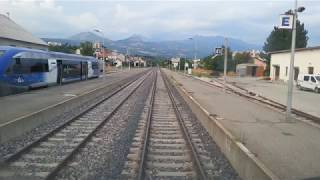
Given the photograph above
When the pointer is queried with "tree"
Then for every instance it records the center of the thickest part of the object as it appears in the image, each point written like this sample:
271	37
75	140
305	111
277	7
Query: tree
241	58
280	39
65	48
217	63
86	48
182	63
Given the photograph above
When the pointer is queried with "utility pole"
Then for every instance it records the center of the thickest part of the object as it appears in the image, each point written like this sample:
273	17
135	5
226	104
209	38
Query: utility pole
225	62
180	63
294	13
103	61
185	68
128	58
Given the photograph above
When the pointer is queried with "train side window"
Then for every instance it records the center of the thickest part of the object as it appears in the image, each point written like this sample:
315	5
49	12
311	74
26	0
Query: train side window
306	78
313	79
38	65
95	65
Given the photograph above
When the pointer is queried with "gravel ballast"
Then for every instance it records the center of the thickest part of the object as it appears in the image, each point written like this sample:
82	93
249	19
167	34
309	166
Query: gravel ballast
222	167
104	156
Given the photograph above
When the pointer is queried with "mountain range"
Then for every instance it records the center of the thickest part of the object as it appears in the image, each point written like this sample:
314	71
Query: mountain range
137	44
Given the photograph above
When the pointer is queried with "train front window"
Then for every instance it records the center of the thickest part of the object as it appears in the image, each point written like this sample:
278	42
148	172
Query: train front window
27	66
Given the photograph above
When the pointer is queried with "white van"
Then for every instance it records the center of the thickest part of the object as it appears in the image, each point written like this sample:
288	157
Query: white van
309	81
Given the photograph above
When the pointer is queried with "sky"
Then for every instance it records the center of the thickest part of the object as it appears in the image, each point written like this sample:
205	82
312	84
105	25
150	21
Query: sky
160	20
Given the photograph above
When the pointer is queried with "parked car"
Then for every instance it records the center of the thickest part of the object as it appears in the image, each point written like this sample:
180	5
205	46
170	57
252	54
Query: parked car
309	82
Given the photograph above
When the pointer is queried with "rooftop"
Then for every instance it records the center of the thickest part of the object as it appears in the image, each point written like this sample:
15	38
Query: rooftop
297	50
10	30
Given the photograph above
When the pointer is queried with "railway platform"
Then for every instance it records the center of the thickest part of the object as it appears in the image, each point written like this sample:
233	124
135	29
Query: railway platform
16	107
289	150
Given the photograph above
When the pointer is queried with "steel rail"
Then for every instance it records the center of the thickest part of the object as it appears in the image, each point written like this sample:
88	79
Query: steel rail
197	162
144	151
25	149
87	138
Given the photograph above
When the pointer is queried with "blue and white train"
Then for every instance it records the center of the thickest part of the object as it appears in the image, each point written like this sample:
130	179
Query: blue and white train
22	68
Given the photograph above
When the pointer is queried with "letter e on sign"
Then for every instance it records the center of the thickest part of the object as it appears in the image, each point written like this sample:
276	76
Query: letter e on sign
286	22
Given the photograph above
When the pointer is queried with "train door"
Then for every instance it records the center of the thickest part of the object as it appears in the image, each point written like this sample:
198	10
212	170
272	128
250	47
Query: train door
90	70
59	71
84	70
53	71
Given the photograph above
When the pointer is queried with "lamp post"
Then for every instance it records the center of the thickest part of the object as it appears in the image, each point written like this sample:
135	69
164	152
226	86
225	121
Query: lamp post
128	59
194	48
99	31
291	70
225	62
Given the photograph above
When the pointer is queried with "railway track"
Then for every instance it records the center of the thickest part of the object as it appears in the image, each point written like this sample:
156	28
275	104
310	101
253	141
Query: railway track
43	158
165	145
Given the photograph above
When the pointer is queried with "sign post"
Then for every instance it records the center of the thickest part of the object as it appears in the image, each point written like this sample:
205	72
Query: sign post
218	51
289	21
286	21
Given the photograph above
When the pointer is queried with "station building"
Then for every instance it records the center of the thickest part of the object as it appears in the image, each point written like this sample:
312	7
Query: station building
12	34
307	61
254	69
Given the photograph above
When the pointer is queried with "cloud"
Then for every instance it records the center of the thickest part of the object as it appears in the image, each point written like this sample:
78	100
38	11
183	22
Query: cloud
46	18
250	20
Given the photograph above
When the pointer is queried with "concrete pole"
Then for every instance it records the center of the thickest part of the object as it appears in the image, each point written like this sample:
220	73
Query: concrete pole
225	62
128	58
185	68
291	70
104	64
195	52
195	48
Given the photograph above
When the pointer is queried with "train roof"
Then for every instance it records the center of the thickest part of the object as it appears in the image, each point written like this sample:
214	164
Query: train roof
46	54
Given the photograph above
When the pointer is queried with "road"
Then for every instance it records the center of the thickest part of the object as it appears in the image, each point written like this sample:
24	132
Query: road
306	101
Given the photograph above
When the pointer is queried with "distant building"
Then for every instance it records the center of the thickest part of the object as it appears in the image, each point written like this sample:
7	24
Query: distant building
196	63
50	43
175	62
255	68
12	34
78	51
307	61
138	61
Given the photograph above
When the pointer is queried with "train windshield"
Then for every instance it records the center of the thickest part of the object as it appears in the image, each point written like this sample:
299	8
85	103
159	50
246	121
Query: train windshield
27	66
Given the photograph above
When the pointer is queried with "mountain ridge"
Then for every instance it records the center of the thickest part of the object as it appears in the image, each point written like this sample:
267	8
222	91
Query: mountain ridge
138	44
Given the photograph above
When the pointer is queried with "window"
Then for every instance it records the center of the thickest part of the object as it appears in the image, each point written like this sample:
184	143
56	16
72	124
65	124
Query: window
38	65
95	65
287	71
318	78
306	78
71	68
310	70
313	79
26	66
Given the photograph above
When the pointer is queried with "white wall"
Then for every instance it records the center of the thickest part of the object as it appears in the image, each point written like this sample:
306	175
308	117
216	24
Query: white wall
303	60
